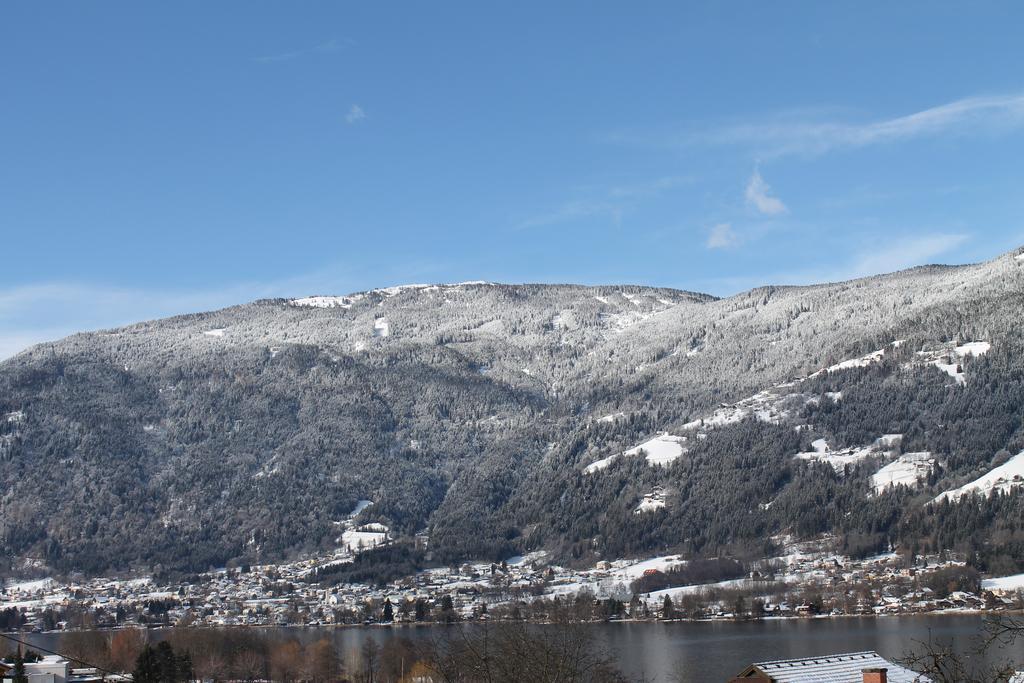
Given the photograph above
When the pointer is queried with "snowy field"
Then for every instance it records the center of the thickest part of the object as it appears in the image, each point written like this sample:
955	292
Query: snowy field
356	540
906	470
662	450
651	502
1004	583
839	459
326	301
1007	476
360	506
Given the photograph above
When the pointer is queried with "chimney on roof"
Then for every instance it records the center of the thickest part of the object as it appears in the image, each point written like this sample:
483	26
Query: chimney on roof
875	675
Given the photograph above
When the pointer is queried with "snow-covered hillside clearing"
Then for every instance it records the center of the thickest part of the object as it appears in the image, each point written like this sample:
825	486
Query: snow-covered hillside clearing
652	501
661	450
906	470
1006	477
839	459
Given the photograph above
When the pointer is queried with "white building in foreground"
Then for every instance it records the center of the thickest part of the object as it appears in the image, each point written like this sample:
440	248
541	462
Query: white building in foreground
50	669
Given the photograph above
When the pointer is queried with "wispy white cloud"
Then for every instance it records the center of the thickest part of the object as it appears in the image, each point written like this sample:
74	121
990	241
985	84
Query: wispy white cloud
722	236
13	342
575	210
758	195
40	312
330	46
651	188
903	253
31	314
879	257
801	134
355	114
46	311
608	202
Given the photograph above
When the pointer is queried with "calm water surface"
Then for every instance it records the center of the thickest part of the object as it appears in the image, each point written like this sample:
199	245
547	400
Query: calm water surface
705	651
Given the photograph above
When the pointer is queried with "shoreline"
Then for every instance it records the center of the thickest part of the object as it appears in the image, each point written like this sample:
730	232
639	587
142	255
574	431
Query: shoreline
475	623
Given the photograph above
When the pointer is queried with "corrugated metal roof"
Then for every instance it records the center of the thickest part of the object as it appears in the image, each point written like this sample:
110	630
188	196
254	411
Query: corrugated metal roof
841	668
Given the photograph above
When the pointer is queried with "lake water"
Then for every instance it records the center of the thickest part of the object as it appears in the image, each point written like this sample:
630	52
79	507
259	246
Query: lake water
707	651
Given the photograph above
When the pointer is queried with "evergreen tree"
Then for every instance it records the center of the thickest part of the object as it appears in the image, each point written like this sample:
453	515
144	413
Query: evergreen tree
447	609
18	675
739	607
668	610
147	667
162	665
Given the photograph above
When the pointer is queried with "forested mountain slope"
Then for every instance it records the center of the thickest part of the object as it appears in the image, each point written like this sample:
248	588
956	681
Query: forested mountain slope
476	413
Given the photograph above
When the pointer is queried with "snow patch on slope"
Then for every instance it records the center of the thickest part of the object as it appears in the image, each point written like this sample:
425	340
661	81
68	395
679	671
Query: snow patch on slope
1004	478
326	301
398	289
385	292
651	502
839	459
948	358
28	586
648	305
778	403
360	506
219	332
906	470
601	464
976	348
496	327
364	538
767	406
1004	583
457	286
662	450
862	362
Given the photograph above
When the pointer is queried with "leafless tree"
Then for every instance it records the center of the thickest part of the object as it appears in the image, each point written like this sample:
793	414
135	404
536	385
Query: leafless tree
563	652
940	663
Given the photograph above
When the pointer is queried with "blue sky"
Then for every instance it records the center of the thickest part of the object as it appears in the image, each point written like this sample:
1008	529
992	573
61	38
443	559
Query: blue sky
159	159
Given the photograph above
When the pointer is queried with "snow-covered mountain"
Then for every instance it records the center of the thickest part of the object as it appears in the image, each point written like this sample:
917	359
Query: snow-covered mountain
499	418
